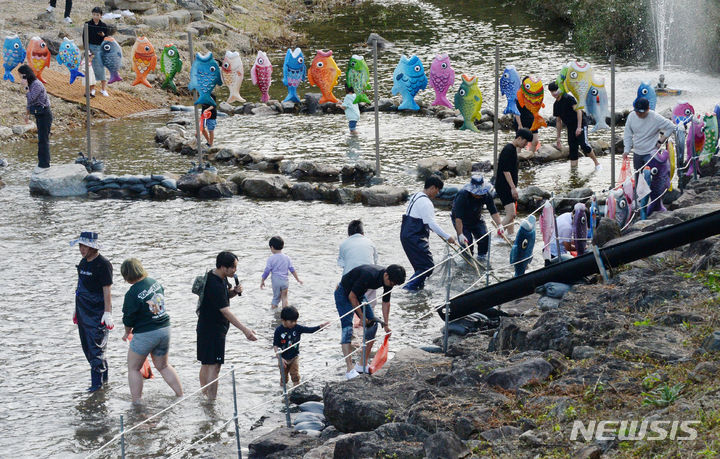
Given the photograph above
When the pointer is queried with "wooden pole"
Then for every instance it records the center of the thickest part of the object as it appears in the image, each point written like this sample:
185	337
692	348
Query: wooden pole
196	109
497	106
377	110
87	90
612	121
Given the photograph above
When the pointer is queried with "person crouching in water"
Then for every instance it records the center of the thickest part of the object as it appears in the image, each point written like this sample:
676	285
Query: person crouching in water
145	318
93	306
466	216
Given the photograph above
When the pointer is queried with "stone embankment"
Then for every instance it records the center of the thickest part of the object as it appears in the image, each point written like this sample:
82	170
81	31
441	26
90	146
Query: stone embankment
643	347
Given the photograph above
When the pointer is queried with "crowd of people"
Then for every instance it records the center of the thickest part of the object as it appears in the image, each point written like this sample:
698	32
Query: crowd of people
147	323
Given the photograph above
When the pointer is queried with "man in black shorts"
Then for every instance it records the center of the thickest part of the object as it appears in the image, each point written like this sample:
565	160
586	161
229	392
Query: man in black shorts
506	177
214	319
525	120
576	122
466	215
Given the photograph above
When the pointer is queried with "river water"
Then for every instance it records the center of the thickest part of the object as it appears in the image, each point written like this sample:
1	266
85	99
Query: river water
47	413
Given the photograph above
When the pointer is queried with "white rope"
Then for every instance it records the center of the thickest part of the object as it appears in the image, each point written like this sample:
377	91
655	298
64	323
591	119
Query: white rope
118	436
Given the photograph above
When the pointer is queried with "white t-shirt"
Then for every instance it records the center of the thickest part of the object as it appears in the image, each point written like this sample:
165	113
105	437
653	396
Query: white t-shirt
564	227
355	251
352	110
642	134
423	208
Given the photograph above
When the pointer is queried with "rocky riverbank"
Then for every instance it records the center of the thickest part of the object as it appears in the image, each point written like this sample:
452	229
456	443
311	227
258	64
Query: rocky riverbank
217	25
639	348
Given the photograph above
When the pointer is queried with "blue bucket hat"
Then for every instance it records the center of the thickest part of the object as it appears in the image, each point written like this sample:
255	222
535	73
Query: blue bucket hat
477	186
87	238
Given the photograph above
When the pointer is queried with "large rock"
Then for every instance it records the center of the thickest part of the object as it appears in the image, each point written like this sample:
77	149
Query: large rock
435	165
193	182
531	197
349	413
268	187
60	180
22	129
397	440
606	230
383	195
181	17
157	22
547	153
520	374
288	441
443	445
217	191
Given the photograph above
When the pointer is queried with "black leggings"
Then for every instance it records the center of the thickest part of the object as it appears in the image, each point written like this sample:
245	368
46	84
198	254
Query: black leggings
43	120
68	6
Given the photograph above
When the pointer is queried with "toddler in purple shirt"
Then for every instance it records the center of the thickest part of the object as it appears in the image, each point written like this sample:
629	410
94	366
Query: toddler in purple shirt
278	265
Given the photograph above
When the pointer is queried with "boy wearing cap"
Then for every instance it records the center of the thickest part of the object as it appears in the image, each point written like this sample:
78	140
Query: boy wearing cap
641	132
506	176
466	214
565	112
93	306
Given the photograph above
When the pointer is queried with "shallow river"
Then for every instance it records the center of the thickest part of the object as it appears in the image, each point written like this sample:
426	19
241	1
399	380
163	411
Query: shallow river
47	413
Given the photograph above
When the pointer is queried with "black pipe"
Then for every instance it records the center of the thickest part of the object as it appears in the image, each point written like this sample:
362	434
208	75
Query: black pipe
572	270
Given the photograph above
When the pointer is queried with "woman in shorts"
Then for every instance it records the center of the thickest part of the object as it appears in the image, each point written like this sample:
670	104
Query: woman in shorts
147	327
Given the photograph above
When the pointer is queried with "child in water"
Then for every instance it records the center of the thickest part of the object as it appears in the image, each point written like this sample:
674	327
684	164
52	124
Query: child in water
352	110
279	265
208	126
286	335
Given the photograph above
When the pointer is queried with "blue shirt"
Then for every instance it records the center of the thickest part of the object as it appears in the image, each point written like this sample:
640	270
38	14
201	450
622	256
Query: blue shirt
355	251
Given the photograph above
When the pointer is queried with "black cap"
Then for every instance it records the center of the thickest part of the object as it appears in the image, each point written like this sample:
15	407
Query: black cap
641	105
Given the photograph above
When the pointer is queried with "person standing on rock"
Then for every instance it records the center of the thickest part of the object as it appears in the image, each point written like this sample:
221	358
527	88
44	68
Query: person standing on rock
38	104
68	8
350	293
564	109
352	110
357	250
209	113
642	128
418	220
214	319
93	306
506	177
466	215
97	31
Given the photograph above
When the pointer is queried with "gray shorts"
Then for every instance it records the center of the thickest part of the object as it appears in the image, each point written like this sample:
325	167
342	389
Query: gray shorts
156	342
278	285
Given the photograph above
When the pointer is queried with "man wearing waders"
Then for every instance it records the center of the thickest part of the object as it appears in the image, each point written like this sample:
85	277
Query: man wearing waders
93	306
418	219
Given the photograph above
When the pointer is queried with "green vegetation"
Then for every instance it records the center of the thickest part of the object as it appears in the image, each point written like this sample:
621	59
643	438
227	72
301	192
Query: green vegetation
663	395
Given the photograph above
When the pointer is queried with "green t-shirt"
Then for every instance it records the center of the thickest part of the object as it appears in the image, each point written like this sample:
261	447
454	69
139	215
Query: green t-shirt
144	307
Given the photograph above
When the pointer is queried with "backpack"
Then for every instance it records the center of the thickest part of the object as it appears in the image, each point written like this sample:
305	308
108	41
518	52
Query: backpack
198	288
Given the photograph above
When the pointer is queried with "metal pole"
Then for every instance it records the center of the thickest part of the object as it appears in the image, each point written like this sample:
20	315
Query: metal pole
284	384
557	236
377	110
122	424
487	264
87	88
612	121
448	273
196	109
237	428
364	343
497	107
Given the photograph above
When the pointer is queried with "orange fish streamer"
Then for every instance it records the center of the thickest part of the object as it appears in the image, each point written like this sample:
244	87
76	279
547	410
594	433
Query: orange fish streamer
144	60
324	73
531	96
